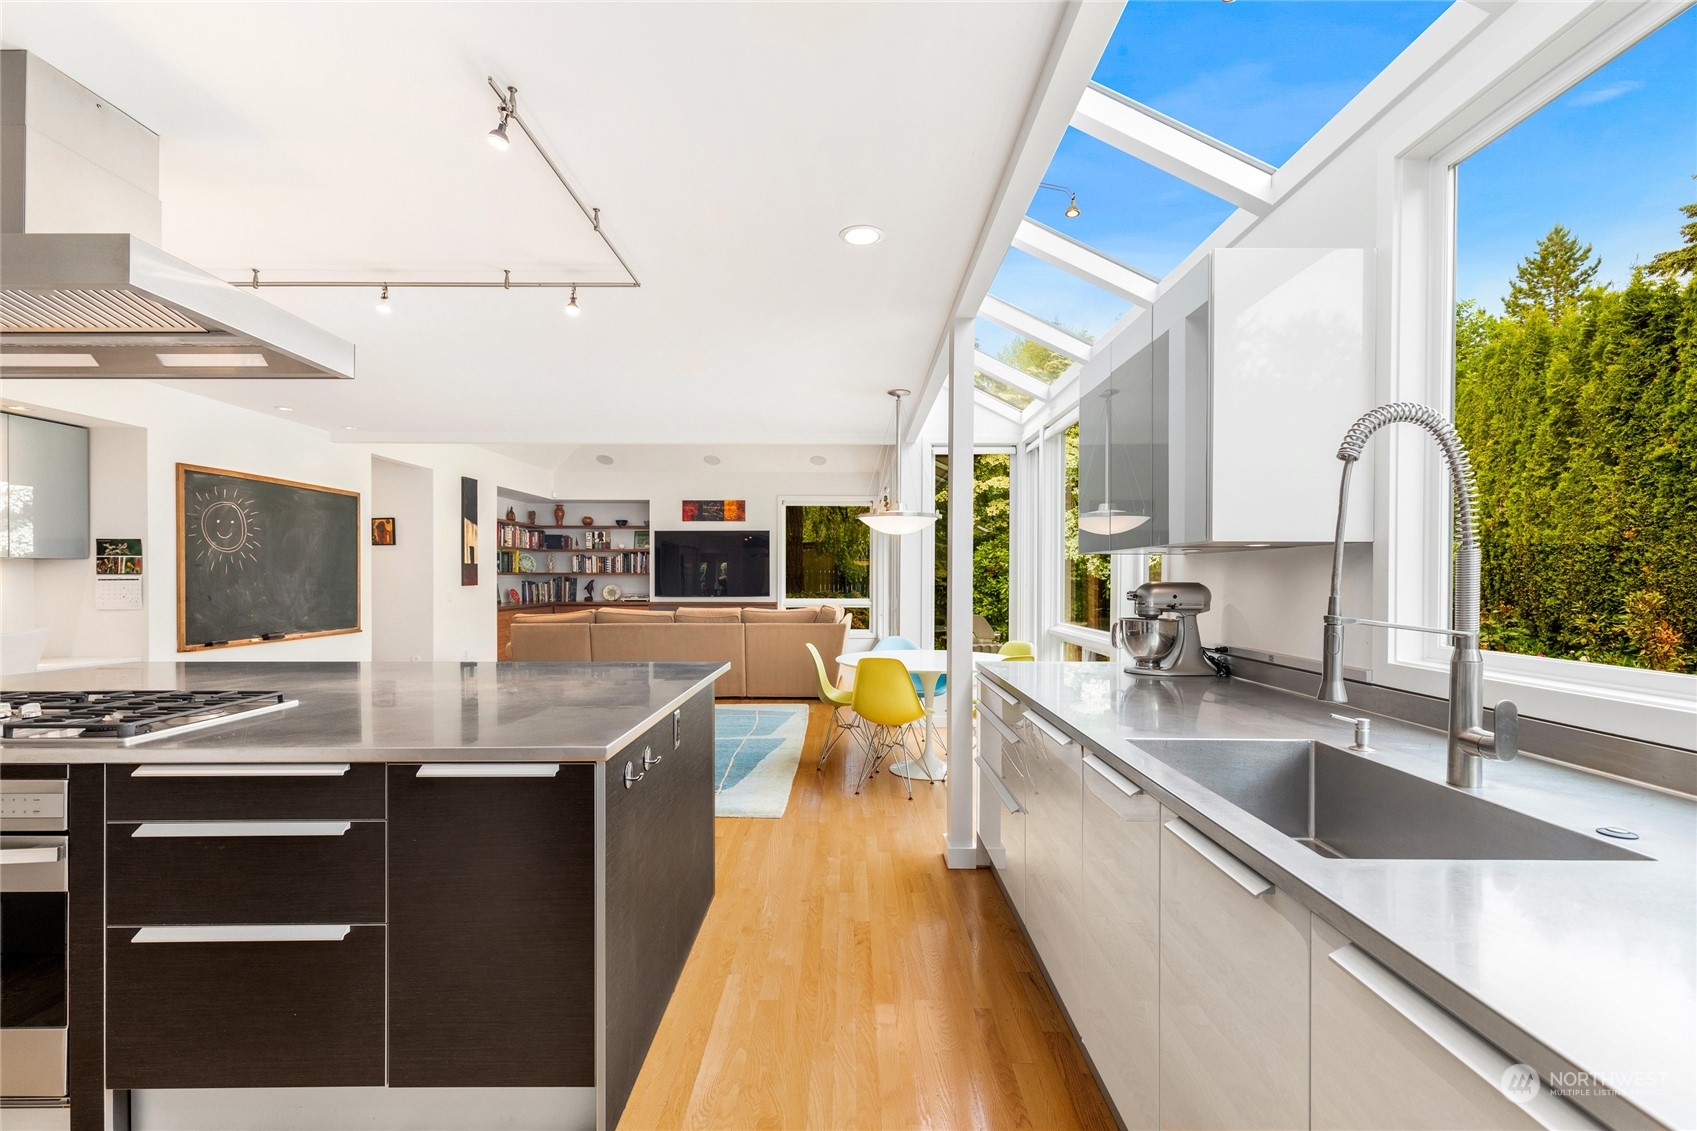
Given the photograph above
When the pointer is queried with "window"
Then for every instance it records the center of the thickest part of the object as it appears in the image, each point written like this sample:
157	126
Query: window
1088	597
827	559
992	478
1575	275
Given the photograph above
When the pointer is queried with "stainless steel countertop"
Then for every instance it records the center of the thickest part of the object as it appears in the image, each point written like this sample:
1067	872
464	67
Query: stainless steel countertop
393	712
1587	966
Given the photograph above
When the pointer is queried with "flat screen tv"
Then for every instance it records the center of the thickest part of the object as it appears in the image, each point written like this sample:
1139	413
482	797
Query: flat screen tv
712	563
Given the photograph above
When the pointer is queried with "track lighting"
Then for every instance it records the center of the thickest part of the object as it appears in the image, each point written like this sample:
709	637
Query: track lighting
1072	212
383	300
509	107
498	135
572	308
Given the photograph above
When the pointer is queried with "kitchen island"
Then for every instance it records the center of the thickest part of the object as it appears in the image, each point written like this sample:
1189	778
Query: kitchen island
408	896
1230	960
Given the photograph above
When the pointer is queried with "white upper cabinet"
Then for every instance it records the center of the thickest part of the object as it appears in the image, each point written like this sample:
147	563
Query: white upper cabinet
45	466
1218	413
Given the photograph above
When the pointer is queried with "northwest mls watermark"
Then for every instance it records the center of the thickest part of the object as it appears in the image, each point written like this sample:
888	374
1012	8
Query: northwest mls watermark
1521	1083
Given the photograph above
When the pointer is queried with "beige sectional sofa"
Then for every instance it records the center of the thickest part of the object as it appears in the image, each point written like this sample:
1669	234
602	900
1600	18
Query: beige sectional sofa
765	647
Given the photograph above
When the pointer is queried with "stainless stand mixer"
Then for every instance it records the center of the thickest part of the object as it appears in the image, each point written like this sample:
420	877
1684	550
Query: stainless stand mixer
1161	637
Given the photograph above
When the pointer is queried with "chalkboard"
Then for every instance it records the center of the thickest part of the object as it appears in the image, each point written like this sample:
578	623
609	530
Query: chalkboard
262	559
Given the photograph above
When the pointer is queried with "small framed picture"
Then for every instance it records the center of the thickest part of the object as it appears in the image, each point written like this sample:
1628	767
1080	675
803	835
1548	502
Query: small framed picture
382	532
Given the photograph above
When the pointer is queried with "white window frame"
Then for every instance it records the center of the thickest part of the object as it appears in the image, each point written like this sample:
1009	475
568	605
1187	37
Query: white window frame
785	601
1411	583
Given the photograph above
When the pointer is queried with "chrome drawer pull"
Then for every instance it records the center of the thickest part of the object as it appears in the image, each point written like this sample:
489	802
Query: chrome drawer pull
244	770
41	854
489	770
241	828
999	726
1055	734
263	932
1112	776
631	774
996	784
996	692
649	758
1240	873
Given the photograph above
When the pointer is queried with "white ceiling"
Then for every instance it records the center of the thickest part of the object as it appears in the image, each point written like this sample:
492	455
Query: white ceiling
726	144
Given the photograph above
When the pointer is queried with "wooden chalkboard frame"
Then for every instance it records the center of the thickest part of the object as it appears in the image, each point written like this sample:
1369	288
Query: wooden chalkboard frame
183	644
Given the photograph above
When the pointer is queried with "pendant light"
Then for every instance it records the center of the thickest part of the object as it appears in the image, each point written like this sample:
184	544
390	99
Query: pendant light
1105	520
886	515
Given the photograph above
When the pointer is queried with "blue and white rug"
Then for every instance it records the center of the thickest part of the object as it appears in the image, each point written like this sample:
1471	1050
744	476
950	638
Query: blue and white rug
756	750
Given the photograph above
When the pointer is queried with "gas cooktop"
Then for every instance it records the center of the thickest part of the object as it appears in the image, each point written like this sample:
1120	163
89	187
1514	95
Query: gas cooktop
124	718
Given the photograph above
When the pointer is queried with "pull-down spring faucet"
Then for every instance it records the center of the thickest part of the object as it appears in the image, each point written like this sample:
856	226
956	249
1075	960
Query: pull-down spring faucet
1469	741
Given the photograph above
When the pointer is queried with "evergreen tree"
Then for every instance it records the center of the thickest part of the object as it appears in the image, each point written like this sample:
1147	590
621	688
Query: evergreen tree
1681	260
1553	277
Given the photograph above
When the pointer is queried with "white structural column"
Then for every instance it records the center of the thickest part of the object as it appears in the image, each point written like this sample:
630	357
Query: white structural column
962	840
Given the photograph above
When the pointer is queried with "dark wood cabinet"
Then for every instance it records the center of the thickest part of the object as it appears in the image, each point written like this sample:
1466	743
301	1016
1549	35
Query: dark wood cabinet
492	930
354	795
244	1014
659	881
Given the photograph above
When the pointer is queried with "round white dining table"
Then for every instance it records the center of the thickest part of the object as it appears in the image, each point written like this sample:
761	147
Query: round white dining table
927	664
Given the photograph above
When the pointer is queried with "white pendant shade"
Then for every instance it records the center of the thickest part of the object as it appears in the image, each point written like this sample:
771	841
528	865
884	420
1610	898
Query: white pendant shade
1105	520
897	522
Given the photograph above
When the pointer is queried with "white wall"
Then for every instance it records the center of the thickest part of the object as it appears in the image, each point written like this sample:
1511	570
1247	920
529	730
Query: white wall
181	427
402	576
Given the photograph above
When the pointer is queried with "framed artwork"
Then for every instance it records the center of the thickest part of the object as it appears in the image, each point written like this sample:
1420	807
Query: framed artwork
715	510
382	532
468	531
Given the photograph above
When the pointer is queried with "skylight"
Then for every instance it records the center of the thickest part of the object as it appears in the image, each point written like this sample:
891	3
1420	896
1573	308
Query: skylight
1007	394
1056	296
1128	210
1260	75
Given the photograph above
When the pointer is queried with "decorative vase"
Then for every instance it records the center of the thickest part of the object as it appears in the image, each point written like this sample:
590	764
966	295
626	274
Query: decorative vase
622	521
559	514
589	520
530	517
512	515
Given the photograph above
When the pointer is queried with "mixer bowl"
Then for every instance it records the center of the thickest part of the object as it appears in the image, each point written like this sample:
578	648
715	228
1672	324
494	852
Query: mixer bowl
1148	640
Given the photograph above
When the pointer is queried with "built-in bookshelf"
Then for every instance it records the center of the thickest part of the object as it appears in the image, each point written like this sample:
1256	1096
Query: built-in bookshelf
540	564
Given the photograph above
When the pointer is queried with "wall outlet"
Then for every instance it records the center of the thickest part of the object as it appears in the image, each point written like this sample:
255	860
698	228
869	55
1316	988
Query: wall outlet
117	592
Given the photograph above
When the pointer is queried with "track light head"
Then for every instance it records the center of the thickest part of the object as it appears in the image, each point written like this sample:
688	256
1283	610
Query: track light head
1072	208
572	308
498	135
383	300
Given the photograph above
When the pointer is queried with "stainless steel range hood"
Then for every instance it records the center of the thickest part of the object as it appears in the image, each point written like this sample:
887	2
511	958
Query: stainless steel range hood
77	301
92	305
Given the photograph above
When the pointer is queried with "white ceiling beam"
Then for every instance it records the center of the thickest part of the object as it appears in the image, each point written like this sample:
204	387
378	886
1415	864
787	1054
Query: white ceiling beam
1026	325
1086	263
999	407
1008	375
1172	147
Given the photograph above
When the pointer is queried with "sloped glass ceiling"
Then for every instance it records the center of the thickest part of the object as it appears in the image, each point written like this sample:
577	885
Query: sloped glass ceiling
1057	296
1260	75
1007	394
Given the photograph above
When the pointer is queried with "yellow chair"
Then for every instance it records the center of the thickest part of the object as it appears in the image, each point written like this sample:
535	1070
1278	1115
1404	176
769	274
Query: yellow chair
884	697
839	700
1015	650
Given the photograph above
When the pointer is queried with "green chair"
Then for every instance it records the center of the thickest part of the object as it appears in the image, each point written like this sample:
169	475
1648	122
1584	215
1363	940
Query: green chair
839	700
885	698
1015	650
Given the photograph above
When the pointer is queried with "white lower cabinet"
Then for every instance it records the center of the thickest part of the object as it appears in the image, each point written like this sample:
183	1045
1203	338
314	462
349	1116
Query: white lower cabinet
1234	991
1118	1016
1386	1058
1002	827
1053	765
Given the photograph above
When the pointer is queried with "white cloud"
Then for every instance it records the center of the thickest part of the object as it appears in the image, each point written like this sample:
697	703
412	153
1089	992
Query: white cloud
1607	93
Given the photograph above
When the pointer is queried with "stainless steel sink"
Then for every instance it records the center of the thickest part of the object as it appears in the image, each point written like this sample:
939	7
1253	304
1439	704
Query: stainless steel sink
1344	805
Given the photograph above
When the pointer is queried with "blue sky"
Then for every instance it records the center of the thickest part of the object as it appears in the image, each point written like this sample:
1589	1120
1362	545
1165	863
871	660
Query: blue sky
1611	159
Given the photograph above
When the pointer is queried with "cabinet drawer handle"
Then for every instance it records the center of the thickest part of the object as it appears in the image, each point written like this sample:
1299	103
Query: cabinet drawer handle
1112	776
241	828
996	692
1240	873
996	784
1000	727
244	770
40	854
1055	734
632	774
489	770
677	729
649	758
264	932
1473	1051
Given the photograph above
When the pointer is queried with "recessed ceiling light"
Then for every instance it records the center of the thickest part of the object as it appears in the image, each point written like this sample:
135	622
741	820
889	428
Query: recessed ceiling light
713	460
816	461
350	427
604	459
212	360
282	408
51	360
861	235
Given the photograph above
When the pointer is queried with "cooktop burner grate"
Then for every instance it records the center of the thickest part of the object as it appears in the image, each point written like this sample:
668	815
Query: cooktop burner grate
120	714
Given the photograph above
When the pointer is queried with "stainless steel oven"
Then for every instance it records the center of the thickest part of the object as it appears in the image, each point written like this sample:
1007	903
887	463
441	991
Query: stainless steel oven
33	935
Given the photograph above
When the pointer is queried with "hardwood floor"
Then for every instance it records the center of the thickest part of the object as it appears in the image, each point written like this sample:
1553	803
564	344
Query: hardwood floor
845	978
